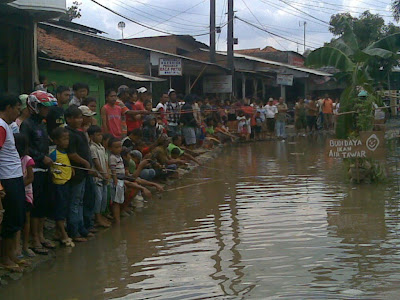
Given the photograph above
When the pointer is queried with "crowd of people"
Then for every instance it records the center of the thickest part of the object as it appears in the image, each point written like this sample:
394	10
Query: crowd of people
58	162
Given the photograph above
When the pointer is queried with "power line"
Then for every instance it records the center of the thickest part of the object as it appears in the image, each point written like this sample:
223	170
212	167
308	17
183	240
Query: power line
222	14
303	12
255	17
296	14
329	10
134	21
153	17
272	33
166	8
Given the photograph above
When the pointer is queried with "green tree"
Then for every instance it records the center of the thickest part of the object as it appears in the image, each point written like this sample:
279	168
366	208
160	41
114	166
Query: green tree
73	12
357	67
367	27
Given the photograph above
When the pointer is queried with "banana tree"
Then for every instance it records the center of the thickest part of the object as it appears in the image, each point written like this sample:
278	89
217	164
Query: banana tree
358	67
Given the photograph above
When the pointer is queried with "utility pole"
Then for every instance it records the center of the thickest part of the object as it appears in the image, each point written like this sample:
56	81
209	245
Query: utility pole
231	64
212	31
305	23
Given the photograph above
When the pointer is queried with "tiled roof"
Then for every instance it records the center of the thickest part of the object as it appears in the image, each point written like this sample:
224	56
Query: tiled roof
53	47
257	50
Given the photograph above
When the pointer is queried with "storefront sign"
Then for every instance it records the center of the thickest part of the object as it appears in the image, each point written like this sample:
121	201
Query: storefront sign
217	84
170	67
370	144
283	79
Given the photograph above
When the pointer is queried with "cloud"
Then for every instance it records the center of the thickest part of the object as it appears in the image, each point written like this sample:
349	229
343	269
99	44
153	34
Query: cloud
166	15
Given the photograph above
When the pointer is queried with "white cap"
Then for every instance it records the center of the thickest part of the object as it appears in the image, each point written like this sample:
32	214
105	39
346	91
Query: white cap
86	111
142	90
171	91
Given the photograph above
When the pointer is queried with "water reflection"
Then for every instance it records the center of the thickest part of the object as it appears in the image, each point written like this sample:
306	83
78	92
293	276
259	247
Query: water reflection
280	224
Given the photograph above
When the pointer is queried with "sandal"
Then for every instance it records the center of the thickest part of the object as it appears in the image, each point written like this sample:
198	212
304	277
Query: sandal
40	250
47	244
68	243
13	268
23	263
79	240
28	253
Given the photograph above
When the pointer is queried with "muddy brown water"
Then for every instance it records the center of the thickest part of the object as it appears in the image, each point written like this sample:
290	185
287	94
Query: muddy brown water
279	224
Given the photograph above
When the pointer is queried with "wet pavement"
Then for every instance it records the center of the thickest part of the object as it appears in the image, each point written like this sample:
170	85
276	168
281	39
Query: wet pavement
272	220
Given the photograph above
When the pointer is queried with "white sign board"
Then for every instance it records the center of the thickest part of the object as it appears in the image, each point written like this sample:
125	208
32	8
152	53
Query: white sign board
217	84
283	79
170	67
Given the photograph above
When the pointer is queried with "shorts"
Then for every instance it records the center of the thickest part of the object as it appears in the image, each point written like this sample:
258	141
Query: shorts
257	129
62	194
41	194
271	124
28	207
14	206
301	123
312	122
118	192
189	134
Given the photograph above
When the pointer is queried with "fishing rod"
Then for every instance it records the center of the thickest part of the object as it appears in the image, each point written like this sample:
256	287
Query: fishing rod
120	177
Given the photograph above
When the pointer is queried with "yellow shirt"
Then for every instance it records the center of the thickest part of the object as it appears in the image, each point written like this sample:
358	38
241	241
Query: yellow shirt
65	173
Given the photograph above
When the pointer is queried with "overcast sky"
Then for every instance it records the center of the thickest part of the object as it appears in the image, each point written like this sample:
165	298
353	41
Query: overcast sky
192	17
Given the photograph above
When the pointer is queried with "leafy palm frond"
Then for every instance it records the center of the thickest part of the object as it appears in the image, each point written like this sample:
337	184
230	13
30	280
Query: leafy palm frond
328	56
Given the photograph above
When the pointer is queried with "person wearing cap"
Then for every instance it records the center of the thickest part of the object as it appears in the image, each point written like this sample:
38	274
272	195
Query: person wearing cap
87	114
135	116
55	117
35	129
23	116
173	113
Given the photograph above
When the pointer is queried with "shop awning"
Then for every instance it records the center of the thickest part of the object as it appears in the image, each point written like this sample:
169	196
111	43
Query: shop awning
106	71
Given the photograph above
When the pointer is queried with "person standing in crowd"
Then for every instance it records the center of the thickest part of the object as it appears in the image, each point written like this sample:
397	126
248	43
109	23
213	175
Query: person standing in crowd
135	116
79	154
15	126
88	116
189	122
133	96
300	117
12	200
92	104
81	91
27	163
122	97
327	111
270	113
61	176
320	119
281	119
312	113
35	129
161	108
55	118
100	162
173	113
111	115
117	168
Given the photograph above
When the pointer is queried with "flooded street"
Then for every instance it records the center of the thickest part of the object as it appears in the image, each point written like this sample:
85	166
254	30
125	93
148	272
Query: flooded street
276	220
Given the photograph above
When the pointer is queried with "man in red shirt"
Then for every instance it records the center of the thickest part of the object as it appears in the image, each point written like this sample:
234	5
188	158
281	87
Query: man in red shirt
135	120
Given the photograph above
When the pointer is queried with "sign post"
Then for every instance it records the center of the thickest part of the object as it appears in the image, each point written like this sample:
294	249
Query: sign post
370	144
170	67
217	84
284	79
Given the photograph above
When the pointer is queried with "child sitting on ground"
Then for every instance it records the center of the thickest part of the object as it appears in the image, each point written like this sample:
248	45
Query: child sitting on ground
176	143
21	143
100	161
61	175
